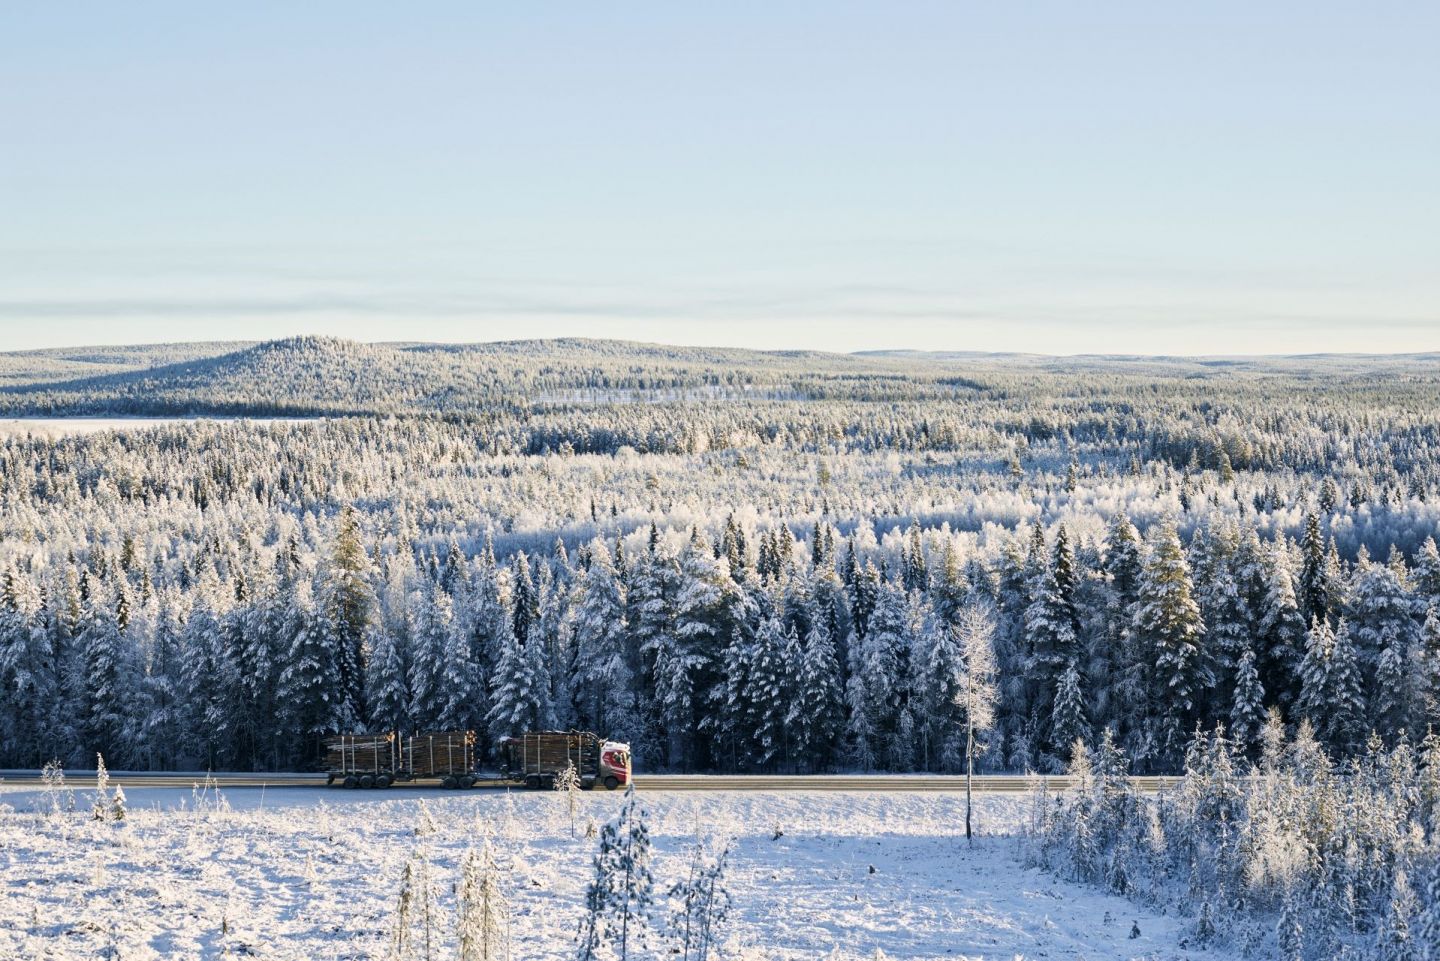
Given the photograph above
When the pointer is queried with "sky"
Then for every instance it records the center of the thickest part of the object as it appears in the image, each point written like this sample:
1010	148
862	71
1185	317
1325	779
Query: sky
1055	177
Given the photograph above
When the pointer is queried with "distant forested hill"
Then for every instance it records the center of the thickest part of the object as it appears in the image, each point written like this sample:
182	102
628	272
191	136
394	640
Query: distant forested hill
329	376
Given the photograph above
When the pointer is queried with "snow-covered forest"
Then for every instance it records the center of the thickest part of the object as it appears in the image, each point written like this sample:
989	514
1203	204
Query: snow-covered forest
735	561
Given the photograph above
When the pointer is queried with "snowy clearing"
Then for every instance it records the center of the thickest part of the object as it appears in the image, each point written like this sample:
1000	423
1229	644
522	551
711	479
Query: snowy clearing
305	877
68	426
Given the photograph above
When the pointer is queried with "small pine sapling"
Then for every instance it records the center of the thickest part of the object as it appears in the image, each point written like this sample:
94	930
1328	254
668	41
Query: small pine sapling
620	898
117	805
100	811
568	783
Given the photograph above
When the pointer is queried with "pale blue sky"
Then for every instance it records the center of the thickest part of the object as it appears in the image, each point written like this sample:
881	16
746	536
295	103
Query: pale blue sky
1057	177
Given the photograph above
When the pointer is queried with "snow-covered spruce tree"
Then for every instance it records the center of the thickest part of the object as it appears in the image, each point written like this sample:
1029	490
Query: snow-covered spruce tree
345	595
604	678
621	897
313	705
1344	723
1247	710
30	684
387	682
210	678
1120	666
520	698
1281	643
769	693
817	712
1068	722
105	685
706	613
1052	632
1425	681
483	920
1381	615
879	677
1314	593
1167	624
940	684
462	687
434	639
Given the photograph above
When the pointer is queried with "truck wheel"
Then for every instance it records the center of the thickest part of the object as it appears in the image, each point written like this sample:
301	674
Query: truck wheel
532	782
587	784
548	782
383	781
351	781
468	781
367	781
611	782
449	783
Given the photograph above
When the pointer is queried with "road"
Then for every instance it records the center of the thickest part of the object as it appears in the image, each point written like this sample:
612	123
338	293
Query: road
988	783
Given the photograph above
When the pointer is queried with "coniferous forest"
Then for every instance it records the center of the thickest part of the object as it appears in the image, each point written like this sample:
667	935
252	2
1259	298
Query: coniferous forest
736	561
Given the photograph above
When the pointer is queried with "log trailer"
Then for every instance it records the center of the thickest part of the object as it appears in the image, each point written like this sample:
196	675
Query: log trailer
534	759
380	760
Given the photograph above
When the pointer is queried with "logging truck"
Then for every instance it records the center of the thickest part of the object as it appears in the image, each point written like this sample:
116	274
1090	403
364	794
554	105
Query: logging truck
535	759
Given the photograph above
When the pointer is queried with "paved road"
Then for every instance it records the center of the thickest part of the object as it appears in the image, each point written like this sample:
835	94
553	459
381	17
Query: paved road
989	783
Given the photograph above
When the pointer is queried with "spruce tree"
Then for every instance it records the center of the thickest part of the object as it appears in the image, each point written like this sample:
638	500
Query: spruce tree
1168	625
1247	711
1068	721
817	712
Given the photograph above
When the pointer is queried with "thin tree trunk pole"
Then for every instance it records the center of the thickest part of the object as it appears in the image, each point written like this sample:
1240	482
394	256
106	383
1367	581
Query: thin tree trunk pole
969	753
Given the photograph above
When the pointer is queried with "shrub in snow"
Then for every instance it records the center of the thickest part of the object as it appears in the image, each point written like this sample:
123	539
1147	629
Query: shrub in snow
425	823
703	905
57	798
484	914
414	935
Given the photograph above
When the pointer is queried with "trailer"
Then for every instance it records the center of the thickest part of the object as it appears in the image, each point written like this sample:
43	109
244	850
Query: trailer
449	756
537	758
380	760
364	760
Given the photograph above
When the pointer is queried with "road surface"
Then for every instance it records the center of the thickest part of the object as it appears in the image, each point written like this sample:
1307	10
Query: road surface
987	783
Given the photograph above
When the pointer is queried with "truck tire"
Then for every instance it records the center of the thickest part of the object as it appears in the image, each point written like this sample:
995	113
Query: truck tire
587	784
468	781
611	782
383	781
351	781
367	781
449	783
532	782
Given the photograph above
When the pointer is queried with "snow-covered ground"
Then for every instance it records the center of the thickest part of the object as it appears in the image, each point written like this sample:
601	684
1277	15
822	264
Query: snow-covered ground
67	426
311	874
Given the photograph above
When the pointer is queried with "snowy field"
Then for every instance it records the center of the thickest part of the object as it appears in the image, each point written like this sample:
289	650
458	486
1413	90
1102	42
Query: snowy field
68	426
304	873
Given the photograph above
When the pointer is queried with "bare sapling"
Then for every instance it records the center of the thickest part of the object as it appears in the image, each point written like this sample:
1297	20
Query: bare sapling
484	912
